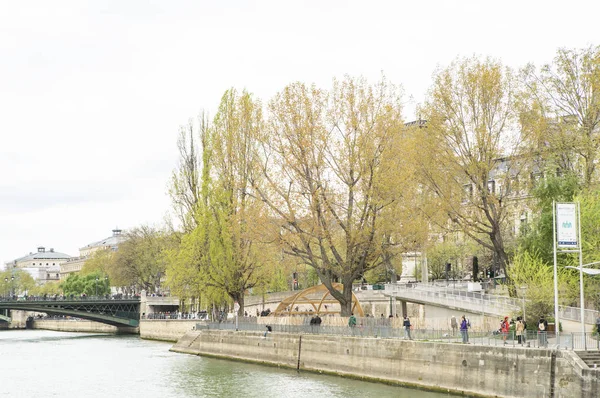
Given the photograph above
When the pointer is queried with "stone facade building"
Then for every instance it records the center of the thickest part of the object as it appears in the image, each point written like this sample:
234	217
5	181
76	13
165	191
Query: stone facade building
75	264
43	265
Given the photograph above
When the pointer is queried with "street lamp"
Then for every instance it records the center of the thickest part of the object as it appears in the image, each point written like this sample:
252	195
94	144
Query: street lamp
524	289
12	285
588	272
5	287
96	287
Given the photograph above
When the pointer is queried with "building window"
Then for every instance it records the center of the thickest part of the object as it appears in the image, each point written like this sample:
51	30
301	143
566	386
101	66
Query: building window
32	263
46	264
53	263
467	192
491	186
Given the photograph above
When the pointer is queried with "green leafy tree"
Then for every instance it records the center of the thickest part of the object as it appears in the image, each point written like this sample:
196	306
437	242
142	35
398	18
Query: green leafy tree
100	262
537	236
528	269
48	289
90	284
140	261
15	281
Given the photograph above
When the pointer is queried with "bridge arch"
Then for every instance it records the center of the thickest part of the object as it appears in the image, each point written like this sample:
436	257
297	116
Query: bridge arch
111	312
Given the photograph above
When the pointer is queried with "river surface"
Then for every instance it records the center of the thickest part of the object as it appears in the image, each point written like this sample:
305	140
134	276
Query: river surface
37	363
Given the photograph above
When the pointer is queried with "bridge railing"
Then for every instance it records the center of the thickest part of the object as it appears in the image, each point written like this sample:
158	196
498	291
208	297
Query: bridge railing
472	301
499	304
68	298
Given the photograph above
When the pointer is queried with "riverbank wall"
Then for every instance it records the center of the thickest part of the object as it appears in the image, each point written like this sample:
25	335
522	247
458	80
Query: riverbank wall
80	325
162	330
166	330
480	371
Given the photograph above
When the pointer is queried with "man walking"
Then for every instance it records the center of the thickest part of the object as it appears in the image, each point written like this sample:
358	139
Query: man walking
406	325
542	328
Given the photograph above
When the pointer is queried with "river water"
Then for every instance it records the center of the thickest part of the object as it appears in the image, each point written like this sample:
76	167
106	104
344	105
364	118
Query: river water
36	363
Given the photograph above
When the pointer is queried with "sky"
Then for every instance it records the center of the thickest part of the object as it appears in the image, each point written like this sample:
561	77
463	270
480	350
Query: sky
93	93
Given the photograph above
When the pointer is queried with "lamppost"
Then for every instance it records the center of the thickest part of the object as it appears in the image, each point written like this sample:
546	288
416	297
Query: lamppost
5	287
12	285
524	290
106	282
582	271
96	295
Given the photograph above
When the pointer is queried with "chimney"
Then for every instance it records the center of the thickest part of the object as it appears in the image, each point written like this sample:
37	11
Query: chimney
51	250
41	249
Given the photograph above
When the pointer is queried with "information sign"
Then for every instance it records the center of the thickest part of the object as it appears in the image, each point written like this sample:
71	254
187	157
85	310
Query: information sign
566	225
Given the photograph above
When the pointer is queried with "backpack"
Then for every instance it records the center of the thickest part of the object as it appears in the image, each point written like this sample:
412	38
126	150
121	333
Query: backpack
542	326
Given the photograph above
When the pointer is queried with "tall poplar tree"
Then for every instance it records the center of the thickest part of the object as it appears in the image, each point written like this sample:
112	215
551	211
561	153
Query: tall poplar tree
470	150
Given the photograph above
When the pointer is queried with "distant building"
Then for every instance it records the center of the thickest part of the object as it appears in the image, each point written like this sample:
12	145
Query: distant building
43	266
75	264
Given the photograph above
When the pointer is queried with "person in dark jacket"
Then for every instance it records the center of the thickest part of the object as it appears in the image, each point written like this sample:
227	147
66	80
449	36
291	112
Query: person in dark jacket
464	330
407	325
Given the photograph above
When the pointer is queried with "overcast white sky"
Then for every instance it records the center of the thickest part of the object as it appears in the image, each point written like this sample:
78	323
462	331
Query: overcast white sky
92	94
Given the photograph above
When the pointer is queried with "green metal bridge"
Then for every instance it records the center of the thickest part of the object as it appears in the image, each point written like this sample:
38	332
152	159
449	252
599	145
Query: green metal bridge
116	312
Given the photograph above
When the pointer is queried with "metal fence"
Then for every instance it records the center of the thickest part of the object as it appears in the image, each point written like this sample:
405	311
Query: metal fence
531	339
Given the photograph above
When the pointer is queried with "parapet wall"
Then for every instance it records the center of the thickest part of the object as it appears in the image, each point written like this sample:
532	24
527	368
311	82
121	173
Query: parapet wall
462	369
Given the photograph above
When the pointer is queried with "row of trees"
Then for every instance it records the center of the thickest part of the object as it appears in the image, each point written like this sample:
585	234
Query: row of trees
333	183
335	180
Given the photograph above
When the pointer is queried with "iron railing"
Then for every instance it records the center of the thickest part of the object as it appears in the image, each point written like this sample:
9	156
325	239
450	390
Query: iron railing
530	339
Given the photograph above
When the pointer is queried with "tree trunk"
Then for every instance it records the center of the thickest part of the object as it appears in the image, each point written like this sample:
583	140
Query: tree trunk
346	302
239	298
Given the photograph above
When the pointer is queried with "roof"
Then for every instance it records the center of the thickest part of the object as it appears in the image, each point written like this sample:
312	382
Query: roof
41	255
111	241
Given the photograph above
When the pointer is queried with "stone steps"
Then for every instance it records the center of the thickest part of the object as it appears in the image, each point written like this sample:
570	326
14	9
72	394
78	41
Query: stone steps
591	358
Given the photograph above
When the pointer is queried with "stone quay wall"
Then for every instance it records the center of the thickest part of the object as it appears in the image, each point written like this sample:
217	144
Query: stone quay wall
166	330
80	325
462	369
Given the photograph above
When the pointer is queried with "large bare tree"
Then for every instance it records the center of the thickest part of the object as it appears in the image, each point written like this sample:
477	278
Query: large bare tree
471	147
326	172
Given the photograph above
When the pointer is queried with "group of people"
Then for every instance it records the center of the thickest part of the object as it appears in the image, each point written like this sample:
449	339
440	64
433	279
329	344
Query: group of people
521	330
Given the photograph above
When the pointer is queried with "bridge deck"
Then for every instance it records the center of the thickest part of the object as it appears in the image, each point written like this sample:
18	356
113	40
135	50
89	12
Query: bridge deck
117	312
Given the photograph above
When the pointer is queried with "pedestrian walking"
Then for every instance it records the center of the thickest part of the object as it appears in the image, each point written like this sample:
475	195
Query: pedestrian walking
504	327
464	330
520	327
407	327
352	321
542	332
453	325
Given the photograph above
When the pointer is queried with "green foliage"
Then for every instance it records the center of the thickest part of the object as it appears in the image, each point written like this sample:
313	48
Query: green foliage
140	261
537	238
529	269
48	288
99	262
16	281
89	284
